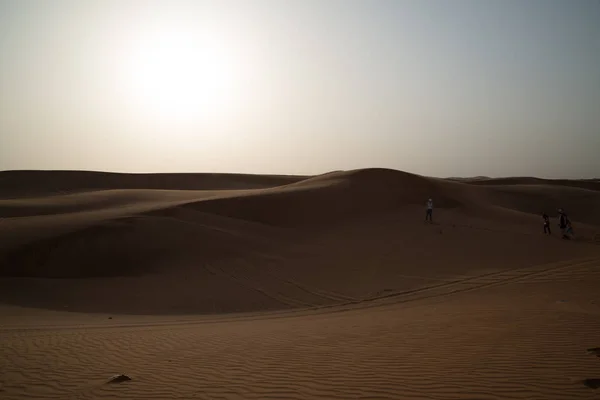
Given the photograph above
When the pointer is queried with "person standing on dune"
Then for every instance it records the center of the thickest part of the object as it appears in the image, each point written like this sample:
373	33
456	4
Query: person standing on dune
546	224
564	224
429	213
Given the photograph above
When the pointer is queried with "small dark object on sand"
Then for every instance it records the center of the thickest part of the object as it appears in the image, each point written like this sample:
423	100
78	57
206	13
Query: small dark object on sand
119	379
592	383
109	317
595	350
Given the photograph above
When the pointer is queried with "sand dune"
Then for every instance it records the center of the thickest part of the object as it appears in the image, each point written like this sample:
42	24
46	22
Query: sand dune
16	184
590	184
239	286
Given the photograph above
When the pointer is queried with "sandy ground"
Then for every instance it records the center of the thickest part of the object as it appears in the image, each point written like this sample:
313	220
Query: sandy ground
248	287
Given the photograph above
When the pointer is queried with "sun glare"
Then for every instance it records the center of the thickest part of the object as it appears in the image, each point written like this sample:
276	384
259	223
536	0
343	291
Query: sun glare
178	75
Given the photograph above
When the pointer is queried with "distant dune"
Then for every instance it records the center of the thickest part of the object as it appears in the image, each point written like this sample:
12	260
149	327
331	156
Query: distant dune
330	286
469	179
590	184
15	184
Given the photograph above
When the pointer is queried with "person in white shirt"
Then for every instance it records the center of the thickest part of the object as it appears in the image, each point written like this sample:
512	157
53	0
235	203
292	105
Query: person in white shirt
429	214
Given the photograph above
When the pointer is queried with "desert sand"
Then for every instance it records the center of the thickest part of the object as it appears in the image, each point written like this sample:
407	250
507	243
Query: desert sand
230	286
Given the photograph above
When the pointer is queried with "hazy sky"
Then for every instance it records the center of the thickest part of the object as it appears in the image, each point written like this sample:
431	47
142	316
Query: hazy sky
442	88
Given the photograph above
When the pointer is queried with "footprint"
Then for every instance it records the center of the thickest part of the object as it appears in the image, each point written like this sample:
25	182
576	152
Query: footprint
592	383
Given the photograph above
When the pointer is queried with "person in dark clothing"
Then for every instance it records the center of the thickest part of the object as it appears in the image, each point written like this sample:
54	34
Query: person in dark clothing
546	224
429	212
564	224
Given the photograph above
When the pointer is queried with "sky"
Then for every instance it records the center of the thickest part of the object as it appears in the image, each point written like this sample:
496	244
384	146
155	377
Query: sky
434	87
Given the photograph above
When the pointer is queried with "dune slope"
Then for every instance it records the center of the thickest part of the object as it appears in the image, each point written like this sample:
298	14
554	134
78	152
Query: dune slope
519	335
